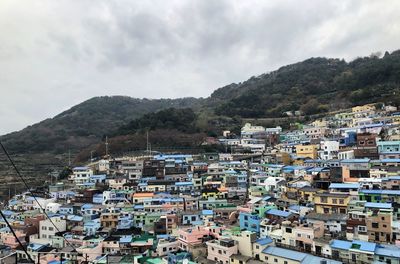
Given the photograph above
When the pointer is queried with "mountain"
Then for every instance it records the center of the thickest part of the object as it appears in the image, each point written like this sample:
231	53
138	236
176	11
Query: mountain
314	86
86	123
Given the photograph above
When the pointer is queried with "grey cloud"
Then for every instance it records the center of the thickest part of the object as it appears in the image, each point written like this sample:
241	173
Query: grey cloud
59	53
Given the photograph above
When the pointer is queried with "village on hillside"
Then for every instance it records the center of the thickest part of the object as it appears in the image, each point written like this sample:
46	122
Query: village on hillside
325	192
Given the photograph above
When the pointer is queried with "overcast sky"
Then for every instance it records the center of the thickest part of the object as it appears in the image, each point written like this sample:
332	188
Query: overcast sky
55	54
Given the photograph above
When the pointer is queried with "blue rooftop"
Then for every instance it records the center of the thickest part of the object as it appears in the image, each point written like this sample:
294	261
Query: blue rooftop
344	186
317	169
183	183
264	241
340	244
35	246
285	253
355	160
87	206
388	251
391	178
355	244
75	218
125	239
386	160
207	212
388	192
278	213
379	205
80	168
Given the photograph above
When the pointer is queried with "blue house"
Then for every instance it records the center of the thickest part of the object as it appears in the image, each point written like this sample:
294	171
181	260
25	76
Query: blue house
249	221
388	146
91	227
101	178
66	209
98	198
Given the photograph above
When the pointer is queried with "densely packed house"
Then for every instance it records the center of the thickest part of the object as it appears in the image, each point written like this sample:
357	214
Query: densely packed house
325	192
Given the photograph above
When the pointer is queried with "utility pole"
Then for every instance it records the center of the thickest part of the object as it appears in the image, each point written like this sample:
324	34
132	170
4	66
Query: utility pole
69	158
147	142
106	146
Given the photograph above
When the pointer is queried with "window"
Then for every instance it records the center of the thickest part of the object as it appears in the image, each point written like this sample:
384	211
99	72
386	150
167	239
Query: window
275	260
362	229
341	201
51	228
375	225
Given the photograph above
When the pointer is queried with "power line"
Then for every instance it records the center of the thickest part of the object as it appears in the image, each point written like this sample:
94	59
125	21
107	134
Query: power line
19	242
29	190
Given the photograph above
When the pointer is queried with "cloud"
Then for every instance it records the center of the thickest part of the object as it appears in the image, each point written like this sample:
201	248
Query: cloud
54	54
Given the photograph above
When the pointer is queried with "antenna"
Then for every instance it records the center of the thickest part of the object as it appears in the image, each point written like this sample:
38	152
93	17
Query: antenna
147	142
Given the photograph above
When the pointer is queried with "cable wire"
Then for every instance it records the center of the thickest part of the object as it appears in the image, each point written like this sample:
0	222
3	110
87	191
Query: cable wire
19	242
34	197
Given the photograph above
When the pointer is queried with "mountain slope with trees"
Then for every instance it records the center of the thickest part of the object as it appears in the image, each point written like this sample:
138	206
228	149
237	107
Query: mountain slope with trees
313	86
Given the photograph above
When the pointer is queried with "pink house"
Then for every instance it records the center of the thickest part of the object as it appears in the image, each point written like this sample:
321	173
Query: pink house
8	239
214	230
221	250
193	236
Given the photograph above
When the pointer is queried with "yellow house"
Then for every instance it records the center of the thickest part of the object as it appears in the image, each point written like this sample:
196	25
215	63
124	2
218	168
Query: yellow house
219	193
156	188
363	108
239	259
331	203
319	123
308	193
307	151
139	197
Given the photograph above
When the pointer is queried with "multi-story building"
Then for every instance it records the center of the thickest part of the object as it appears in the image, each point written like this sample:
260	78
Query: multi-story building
220	251
331	203
307	151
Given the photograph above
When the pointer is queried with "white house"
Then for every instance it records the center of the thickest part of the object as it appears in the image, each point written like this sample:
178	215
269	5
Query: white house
329	149
53	207
81	175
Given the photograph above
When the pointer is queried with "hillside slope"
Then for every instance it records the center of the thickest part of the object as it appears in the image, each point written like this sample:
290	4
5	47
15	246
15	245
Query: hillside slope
313	86
86	123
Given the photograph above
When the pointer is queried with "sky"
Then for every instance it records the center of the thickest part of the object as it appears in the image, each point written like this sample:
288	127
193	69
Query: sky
57	53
